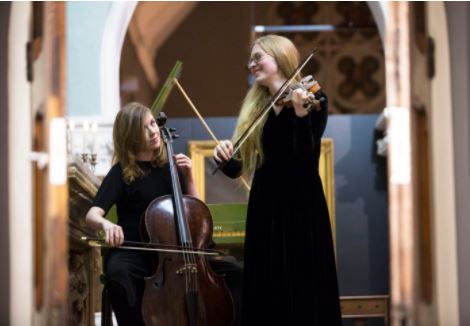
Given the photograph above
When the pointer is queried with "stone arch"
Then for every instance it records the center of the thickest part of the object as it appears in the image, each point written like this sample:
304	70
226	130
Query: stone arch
113	38
20	175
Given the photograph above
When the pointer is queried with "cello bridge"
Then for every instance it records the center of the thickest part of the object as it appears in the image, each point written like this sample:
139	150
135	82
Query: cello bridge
189	268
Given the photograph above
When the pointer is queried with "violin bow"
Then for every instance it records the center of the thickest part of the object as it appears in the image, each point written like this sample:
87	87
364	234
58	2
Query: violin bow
176	82
162	96
238	144
144	246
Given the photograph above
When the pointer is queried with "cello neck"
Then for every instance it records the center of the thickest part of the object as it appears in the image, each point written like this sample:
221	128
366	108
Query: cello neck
183	228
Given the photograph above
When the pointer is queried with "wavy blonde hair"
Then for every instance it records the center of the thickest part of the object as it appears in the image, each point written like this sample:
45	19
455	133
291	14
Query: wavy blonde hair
129	140
286	56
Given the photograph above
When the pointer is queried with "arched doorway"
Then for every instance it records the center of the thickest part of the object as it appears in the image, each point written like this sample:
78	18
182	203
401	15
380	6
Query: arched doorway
380	12
354	210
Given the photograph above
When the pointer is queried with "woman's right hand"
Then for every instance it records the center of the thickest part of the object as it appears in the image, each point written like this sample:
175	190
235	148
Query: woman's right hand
223	151
114	235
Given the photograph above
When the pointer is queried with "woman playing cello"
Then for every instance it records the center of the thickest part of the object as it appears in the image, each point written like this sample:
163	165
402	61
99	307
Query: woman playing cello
140	174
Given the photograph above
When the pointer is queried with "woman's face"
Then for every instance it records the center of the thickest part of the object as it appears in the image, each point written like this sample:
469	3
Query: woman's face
152	133
262	66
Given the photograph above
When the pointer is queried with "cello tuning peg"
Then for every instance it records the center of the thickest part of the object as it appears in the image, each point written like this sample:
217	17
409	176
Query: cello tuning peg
172	129
175	136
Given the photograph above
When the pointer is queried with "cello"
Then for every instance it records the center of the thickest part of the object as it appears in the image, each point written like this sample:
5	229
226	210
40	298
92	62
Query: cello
184	290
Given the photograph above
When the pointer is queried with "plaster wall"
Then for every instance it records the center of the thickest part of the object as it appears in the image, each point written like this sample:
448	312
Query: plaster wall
458	15
20	175
4	236
85	23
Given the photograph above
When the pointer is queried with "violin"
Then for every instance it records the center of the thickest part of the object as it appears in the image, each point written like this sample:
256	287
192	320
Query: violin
308	84
244	136
184	290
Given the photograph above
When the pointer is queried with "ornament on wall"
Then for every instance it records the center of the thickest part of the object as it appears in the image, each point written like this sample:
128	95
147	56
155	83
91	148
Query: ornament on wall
294	13
349	62
355	17
358	77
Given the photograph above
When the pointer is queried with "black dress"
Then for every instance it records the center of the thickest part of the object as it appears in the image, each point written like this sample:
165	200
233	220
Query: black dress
289	267
125	270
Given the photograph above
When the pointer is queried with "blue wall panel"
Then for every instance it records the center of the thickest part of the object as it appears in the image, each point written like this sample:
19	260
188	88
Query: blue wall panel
361	196
85	22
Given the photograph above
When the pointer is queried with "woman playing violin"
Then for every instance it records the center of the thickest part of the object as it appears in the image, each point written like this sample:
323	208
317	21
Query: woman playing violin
140	174
289	264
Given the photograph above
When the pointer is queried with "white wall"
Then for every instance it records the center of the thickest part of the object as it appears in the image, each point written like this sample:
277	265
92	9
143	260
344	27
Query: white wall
95	35
85	23
443	177
4	221
20	176
459	29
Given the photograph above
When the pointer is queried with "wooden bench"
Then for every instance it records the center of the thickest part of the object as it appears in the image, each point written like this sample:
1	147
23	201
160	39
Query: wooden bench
359	308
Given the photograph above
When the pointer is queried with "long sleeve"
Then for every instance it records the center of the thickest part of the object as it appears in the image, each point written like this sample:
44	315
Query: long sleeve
233	168
308	130
110	189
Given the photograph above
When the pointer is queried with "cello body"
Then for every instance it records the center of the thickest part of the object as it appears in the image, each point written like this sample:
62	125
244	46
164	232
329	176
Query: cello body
184	290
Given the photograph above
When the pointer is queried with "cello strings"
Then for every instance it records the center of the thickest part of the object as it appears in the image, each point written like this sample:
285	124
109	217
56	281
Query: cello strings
192	260
185	237
177	202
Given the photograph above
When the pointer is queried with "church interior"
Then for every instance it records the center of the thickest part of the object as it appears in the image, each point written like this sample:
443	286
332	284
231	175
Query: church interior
395	155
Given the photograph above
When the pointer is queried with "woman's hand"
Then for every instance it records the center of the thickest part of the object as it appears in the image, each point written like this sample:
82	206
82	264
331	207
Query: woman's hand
300	97
223	151
114	235
184	164
304	102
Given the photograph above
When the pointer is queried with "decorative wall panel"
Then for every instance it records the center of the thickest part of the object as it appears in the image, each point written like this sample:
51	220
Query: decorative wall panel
349	63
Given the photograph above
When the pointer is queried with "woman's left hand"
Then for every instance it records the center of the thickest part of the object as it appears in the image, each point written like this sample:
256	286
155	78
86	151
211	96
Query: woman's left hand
184	164
299	98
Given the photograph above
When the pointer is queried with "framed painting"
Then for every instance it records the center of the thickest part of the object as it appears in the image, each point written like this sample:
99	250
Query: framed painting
223	194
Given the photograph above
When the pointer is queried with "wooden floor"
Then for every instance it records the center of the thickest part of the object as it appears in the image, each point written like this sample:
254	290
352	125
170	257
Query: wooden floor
355	308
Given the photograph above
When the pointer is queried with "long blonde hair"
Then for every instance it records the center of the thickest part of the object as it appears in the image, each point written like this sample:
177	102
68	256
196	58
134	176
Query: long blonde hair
129	140
286	56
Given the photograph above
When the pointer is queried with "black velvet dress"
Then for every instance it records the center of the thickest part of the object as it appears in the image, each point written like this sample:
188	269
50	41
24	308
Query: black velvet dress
289	267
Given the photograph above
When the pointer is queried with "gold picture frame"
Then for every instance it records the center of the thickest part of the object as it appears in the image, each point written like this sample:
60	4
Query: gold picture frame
201	150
